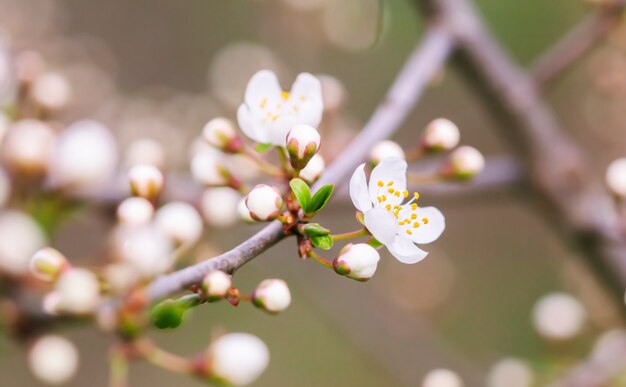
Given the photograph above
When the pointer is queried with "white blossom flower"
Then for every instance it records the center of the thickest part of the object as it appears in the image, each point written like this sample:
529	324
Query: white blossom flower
264	202
303	142
441	134
396	225
53	359
272	295
237	358
616	177
357	261
219	206
558	316
79	291
385	149
269	113
47	264
180	222
313	170
215	285
442	378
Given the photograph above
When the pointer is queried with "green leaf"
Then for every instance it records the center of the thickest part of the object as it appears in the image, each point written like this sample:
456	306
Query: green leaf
323	242
302	192
315	230
262	148
167	314
374	243
319	200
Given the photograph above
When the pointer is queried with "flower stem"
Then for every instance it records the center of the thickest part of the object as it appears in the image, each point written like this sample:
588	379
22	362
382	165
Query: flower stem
349	235
320	260
162	358
118	371
261	163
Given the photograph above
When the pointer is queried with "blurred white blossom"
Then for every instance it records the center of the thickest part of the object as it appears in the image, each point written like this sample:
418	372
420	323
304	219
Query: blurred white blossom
558	316
53	359
237	358
20	238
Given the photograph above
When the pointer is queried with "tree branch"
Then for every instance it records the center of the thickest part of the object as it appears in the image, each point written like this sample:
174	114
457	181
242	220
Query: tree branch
428	57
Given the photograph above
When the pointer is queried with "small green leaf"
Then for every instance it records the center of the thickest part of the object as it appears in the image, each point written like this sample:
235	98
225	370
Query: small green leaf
319	200
262	148
302	192
315	230
323	242
374	243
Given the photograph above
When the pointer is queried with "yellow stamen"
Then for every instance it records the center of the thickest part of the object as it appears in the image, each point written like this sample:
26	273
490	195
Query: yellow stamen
388	207
416	225
284	94
425	220
414	206
413	216
390	183
397	193
409	232
405	193
416	195
263	103
380	183
390	190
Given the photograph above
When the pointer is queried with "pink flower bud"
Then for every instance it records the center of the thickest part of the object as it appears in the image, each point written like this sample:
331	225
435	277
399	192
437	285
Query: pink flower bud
220	133
53	359
385	149
303	142
441	134
272	295
216	284
264	203
237	359
135	211
463	163
146	181
357	261
313	169
47	264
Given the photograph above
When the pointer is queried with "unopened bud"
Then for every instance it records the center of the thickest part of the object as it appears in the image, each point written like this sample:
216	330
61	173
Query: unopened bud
219	206
357	261
463	163
51	304
385	149
47	264
303	142
208	168
442	378
215	285
20	238
135	211
148	250
220	133
243	211
237	359
616	177
120	276
179	221
28	147
510	372
272	295
441	135
313	169
53	359
264	202
79	291
558	316
146	181
51	90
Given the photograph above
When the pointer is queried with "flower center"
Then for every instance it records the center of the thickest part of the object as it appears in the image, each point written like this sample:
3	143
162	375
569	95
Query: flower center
407	214
273	109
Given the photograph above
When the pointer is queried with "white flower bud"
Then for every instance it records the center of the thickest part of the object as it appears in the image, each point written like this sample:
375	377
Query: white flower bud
51	304
616	177
243	211
20	238
385	149
180	222
120	276
558	316
303	142
463	163
145	151
272	295
47	264
442	378
313	169
237	358
28	146
5	188
79	291
215	285
220	133
148	250
264	202
135	212
85	156
357	261
440	135
219	206
146	181
52	91
207	167
53	359
510	373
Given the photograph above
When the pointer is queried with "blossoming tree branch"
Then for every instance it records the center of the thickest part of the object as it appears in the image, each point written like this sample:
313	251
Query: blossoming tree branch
148	284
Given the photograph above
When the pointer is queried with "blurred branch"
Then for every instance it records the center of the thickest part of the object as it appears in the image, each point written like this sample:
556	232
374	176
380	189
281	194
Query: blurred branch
558	171
577	42
428	57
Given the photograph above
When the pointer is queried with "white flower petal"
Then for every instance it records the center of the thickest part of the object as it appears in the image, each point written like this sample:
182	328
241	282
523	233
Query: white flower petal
308	86
358	190
405	250
310	112
263	84
277	131
390	169
248	125
382	224
430	231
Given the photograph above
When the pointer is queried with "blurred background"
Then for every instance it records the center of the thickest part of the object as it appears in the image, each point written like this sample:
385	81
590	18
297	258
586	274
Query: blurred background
162	69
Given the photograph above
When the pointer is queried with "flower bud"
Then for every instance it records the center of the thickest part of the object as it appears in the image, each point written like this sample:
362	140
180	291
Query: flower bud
53	359
148	250
28	147
313	169
385	149
146	181
52	91
51	304
237	359
558	316
357	261
441	135
220	133
180	222
243	211
463	163
442	378
47	264
264	203
79	291
215	285
20	238
120	276
616	177
135	212
510	372
219	206
208	168
272	295
145	151
303	142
